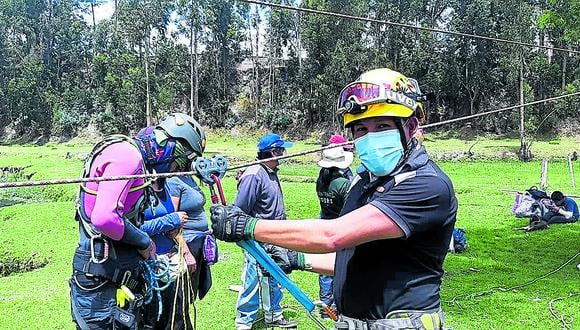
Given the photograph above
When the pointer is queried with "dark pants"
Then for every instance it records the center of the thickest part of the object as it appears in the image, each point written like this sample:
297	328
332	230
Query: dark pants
553	217
92	303
177	312
196	248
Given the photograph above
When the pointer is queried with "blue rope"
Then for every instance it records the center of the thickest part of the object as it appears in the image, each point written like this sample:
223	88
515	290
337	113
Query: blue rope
155	271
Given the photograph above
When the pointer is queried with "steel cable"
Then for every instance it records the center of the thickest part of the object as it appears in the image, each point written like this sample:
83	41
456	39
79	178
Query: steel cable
256	162
404	25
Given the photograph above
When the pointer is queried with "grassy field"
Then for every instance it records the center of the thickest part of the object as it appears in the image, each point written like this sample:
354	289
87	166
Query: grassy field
42	232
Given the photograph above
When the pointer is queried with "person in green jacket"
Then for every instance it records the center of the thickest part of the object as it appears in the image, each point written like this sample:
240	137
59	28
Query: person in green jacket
331	187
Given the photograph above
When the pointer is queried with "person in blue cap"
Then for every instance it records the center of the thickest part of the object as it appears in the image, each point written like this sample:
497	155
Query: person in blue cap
260	195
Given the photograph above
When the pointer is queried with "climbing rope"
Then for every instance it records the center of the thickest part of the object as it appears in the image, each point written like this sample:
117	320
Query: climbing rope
16	184
565	323
407	26
156	271
455	300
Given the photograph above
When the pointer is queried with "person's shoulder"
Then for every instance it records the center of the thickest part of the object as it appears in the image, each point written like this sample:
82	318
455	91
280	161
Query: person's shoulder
431	171
176	181
339	182
428	179
127	152
254	170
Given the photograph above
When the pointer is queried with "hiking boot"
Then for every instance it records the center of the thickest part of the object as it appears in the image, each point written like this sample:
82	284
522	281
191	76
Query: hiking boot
283	323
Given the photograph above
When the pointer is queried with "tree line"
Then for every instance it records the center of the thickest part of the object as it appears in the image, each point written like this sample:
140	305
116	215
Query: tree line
228	62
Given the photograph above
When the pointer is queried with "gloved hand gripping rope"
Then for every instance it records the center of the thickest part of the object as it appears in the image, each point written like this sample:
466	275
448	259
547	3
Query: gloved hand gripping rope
211	171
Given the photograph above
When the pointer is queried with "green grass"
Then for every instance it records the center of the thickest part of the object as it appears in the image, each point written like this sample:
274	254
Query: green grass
497	255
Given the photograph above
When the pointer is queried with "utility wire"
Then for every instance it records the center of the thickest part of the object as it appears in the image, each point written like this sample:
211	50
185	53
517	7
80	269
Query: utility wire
499	110
157	175
261	161
404	25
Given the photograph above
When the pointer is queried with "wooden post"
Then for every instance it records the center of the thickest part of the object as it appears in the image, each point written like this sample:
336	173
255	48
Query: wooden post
544	175
571	167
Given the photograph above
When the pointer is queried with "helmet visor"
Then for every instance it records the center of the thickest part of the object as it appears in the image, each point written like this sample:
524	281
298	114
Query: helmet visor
358	93
354	97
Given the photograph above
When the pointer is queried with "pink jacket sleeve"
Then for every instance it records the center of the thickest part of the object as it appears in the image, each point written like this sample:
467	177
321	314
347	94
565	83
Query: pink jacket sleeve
113	197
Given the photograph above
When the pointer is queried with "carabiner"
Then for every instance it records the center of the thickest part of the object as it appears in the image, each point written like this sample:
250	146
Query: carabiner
94	258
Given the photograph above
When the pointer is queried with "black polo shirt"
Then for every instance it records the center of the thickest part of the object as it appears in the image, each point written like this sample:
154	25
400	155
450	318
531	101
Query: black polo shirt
375	278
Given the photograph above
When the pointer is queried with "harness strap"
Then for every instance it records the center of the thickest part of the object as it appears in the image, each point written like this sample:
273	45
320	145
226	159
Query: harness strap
109	270
396	320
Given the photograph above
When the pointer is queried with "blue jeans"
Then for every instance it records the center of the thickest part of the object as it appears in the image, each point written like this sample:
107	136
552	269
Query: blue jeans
325	293
552	217
256	287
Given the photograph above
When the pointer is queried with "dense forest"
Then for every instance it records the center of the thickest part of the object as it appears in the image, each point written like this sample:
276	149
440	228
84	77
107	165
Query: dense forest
228	63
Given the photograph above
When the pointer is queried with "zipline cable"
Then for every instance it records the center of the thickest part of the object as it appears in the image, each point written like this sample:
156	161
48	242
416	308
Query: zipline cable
499	110
408	26
156	175
261	161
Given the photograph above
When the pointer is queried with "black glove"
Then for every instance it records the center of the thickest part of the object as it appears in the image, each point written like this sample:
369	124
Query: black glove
297	260
287	260
280	257
231	224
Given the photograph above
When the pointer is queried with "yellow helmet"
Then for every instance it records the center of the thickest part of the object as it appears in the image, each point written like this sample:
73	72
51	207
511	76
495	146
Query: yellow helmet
381	93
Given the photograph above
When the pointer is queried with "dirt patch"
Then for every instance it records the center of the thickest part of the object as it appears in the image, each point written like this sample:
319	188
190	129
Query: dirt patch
10	264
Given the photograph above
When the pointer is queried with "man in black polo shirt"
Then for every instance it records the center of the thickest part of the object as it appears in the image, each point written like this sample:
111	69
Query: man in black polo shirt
386	249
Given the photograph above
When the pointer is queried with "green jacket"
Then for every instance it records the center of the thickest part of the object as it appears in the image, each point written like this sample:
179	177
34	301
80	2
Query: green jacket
331	187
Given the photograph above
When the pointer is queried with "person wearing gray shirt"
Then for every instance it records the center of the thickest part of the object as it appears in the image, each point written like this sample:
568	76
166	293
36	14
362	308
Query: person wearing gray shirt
188	197
260	195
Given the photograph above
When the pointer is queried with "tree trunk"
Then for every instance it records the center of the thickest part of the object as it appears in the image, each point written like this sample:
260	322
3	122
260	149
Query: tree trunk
564	62
195	73
116	15
148	95
298	41
256	65
524	152
94	27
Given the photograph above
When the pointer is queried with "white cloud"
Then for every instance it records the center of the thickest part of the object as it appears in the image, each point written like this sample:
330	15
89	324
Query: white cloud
103	10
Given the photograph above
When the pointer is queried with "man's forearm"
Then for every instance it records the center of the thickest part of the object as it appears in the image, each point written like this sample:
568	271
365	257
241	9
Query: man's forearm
322	263
312	236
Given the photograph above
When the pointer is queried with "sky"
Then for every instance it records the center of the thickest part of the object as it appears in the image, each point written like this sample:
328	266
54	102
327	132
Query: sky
105	8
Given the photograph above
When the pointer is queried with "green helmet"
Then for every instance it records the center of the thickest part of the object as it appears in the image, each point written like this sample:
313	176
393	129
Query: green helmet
184	127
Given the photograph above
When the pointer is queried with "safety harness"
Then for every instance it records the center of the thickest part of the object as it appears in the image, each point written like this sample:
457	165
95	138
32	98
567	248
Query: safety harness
396	320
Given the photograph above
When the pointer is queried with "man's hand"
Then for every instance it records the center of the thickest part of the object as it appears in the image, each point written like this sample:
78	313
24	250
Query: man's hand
280	257
287	260
231	224
297	260
149	252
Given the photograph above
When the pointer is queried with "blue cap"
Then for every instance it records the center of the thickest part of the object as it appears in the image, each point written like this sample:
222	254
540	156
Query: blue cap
272	140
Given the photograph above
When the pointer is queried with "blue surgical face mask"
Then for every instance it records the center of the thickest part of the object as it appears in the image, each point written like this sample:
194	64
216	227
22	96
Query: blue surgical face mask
380	152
